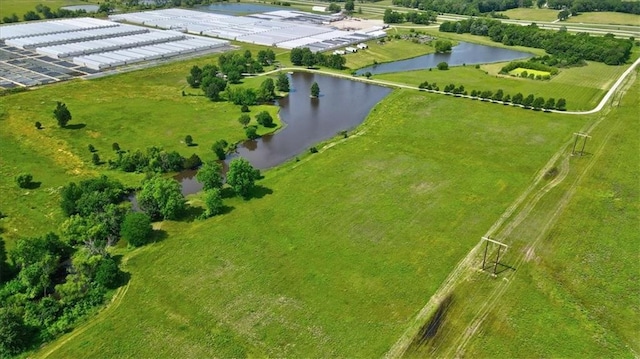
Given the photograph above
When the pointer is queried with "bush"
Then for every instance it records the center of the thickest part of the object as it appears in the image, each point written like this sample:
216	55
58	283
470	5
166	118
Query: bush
244	108
188	140
244	119
264	119
91	148
115	146
38	125
443	66
24	180
313	150
107	273
136	228
251	132
95	159
219	148
213	201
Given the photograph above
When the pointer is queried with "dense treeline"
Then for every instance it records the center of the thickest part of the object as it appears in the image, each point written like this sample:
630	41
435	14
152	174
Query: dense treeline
45	12
531	65
569	48
304	56
416	17
154	160
578	6
463	7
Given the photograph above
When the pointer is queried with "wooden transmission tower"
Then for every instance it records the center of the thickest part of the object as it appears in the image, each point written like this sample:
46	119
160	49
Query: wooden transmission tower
584	137
500	245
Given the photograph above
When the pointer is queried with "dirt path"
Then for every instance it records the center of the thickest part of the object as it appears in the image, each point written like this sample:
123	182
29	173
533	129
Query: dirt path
501	229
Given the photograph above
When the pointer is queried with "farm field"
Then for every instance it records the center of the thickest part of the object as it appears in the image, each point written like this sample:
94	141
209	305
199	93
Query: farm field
393	210
560	292
20	7
532	14
604	17
582	87
390	50
137	110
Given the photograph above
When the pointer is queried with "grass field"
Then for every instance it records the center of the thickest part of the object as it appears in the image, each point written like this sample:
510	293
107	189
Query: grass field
137	110
392	211
532	14
388	51
20	7
604	17
571	288
582	87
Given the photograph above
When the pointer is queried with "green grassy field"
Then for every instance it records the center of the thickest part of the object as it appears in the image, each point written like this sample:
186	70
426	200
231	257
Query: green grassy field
582	87
392	210
137	110
20	7
519	70
572	289
532	14
604	17
392	50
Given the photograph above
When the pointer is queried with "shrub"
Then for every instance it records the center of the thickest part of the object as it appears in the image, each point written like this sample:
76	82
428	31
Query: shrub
38	125
95	159
443	66
136	228
24	180
188	140
91	148
264	119
244	108
313	150
251	132
115	146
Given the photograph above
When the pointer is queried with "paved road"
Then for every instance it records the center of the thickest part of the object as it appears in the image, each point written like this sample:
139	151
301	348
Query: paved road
599	107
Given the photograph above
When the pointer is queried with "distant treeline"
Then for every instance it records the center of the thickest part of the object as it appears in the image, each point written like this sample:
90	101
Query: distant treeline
45	12
464	7
578	6
561	44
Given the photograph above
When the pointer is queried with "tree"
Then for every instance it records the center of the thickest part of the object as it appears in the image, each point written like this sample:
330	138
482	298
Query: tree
443	66
563	14
244	108
62	114
538	103
550	104
161	198
136	228
107	273
188	140
195	78
14	333
333	8
251	132
517	98
38	125
443	46
219	148
528	101
234	77
192	162
315	90
296	56
213	201
95	159
24	180
561	105
210	175
244	119
115	146
242	176
212	86
267	91
349	6
282	82
264	119
308	58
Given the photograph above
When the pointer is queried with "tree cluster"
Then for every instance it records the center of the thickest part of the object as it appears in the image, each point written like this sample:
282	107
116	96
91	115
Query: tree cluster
154	159
529	64
304	57
443	46
416	17
52	281
573	48
463	7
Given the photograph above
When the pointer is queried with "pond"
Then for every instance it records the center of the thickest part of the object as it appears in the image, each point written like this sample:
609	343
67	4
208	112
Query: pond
463	53
237	8
343	104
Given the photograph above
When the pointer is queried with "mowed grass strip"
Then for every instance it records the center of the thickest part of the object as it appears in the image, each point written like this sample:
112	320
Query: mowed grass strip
346	249
577	296
582	87
606	17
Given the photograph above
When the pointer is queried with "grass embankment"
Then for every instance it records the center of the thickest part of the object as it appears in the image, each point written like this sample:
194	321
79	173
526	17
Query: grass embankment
582	87
20	7
573	289
137	110
346	248
606	17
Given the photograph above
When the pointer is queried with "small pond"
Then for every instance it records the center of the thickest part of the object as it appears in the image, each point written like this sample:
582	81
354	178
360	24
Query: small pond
87	8
343	105
237	8
463	53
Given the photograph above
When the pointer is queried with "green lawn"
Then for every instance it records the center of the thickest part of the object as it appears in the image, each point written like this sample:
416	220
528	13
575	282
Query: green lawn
20	7
137	110
391	50
582	87
348	246
578	294
532	14
519	70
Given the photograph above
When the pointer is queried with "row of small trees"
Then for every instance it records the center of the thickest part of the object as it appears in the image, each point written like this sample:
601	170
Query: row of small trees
517	99
304	57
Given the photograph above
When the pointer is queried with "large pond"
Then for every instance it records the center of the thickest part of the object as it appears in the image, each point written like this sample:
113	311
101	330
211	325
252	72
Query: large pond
237	8
343	105
463	53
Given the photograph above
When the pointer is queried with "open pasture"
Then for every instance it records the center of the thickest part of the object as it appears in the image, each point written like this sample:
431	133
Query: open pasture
343	249
520	70
20	7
